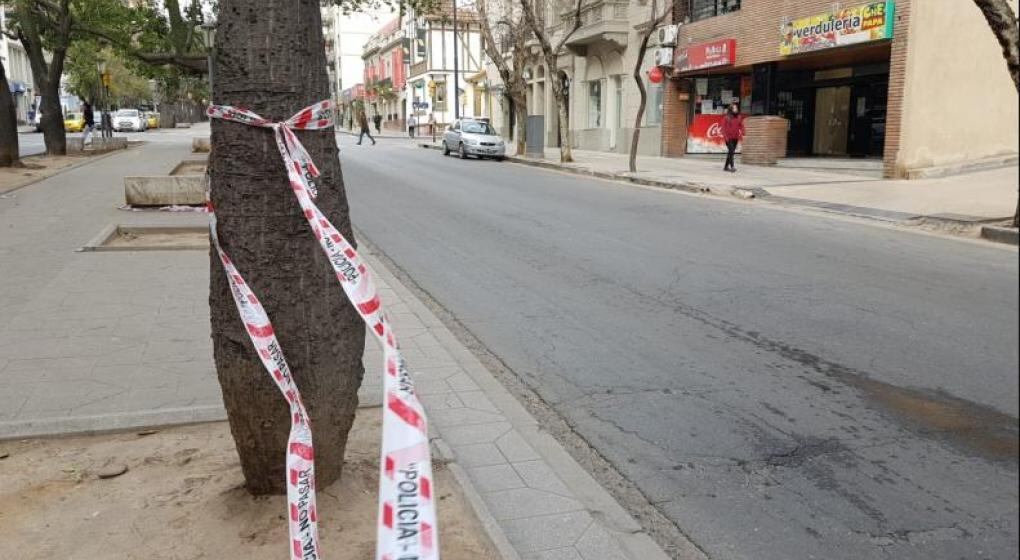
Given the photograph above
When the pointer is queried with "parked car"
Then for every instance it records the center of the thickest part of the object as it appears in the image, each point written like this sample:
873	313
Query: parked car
151	119
129	120
74	122
473	137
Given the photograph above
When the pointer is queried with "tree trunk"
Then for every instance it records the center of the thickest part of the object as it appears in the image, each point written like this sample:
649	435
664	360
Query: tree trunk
653	23
270	58
520	108
52	121
9	151
1001	19
566	149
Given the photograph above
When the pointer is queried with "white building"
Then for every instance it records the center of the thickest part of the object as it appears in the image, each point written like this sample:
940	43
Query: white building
431	77
19	72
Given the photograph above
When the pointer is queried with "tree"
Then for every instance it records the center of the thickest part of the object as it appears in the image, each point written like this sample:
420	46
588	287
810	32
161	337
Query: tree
515	34
551	55
1002	20
41	26
271	58
9	150
653	22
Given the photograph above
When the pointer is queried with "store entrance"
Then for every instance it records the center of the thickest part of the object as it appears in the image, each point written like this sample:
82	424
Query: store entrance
832	121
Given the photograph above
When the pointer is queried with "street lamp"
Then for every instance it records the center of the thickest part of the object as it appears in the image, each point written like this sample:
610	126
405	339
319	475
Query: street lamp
105	126
208	30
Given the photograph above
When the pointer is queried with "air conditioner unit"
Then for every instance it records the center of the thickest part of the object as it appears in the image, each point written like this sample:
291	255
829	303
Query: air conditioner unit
665	36
663	56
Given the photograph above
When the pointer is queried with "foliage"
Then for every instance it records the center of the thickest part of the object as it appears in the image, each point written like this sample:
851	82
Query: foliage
128	88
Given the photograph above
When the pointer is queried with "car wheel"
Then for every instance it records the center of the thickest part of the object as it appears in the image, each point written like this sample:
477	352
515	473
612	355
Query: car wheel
462	152
499	158
446	149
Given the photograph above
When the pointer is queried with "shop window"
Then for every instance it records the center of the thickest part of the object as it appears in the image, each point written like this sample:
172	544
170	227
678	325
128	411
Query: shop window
704	9
714	94
653	107
595	104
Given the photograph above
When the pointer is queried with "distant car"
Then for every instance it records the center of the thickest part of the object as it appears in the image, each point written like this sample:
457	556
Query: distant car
74	122
151	119
473	137
129	120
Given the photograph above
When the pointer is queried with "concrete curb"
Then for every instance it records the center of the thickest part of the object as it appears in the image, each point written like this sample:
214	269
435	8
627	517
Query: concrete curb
489	524
104	423
1000	234
87	161
622	531
954	224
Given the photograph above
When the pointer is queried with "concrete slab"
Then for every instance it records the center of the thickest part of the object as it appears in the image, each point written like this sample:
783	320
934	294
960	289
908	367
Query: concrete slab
164	191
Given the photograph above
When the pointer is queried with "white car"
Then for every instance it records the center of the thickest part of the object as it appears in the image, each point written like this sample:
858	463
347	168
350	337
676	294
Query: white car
473	137
129	120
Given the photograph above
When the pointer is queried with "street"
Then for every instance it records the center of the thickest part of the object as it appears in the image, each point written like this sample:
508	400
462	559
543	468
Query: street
780	385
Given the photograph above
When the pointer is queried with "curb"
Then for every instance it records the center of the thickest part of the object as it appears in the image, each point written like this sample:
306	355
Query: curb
954	224
86	161
998	234
622	532
491	527
105	423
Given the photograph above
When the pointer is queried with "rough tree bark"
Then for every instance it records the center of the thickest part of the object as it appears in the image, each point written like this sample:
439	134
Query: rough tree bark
270	58
511	74
1001	18
653	22
551	55
9	151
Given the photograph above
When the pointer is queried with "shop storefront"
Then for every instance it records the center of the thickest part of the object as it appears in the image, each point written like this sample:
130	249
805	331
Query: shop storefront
715	87
831	81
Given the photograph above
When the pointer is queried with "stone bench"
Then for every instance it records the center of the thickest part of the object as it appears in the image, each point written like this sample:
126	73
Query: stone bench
97	146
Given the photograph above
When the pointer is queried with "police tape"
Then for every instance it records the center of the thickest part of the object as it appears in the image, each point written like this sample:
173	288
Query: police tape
407	528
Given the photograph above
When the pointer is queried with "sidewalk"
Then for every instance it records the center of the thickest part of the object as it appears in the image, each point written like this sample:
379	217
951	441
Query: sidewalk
962	201
101	341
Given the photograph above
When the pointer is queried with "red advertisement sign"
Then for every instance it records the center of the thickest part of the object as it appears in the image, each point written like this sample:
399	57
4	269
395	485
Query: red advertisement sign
706	55
705	135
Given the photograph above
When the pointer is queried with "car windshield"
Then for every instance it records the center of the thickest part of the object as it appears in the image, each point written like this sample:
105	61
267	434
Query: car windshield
127	113
73	116
475	127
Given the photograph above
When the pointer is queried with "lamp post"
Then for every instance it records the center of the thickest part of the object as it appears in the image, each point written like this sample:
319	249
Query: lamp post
456	67
209	37
105	122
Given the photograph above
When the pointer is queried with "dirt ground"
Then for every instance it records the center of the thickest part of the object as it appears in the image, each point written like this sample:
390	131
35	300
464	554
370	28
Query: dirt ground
184	239
36	168
182	499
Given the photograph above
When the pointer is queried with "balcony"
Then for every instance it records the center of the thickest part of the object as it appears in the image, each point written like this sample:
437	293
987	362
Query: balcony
602	21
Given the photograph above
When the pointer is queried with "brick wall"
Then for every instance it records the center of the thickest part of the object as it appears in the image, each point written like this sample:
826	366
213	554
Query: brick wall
764	141
897	79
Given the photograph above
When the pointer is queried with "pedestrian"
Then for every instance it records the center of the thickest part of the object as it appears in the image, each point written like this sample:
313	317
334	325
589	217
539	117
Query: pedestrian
733	133
365	131
377	119
432	124
412	123
90	123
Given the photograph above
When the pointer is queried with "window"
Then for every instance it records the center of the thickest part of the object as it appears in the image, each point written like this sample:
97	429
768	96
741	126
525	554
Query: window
595	104
653	108
703	9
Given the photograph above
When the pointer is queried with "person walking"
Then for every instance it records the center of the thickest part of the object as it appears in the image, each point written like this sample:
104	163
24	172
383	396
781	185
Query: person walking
90	123
733	133
377	120
412	123
365	131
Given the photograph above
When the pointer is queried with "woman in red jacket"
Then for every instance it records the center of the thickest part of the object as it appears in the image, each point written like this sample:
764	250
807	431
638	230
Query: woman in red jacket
733	132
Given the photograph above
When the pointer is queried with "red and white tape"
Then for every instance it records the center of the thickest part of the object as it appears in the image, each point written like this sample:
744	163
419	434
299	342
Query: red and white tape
407	514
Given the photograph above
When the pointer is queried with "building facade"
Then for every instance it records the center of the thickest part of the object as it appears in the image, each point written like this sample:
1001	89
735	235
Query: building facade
913	85
386	74
331	21
434	88
19	73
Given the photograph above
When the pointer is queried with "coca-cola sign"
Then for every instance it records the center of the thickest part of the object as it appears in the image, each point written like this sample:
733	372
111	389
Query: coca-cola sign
706	55
705	135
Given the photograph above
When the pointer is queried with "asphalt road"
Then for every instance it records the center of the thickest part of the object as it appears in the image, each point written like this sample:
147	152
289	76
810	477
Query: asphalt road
781	385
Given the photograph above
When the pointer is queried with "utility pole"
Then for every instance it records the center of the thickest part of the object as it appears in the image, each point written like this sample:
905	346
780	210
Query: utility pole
456	67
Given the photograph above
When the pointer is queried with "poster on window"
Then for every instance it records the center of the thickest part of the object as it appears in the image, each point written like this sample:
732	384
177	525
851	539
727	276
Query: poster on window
705	135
